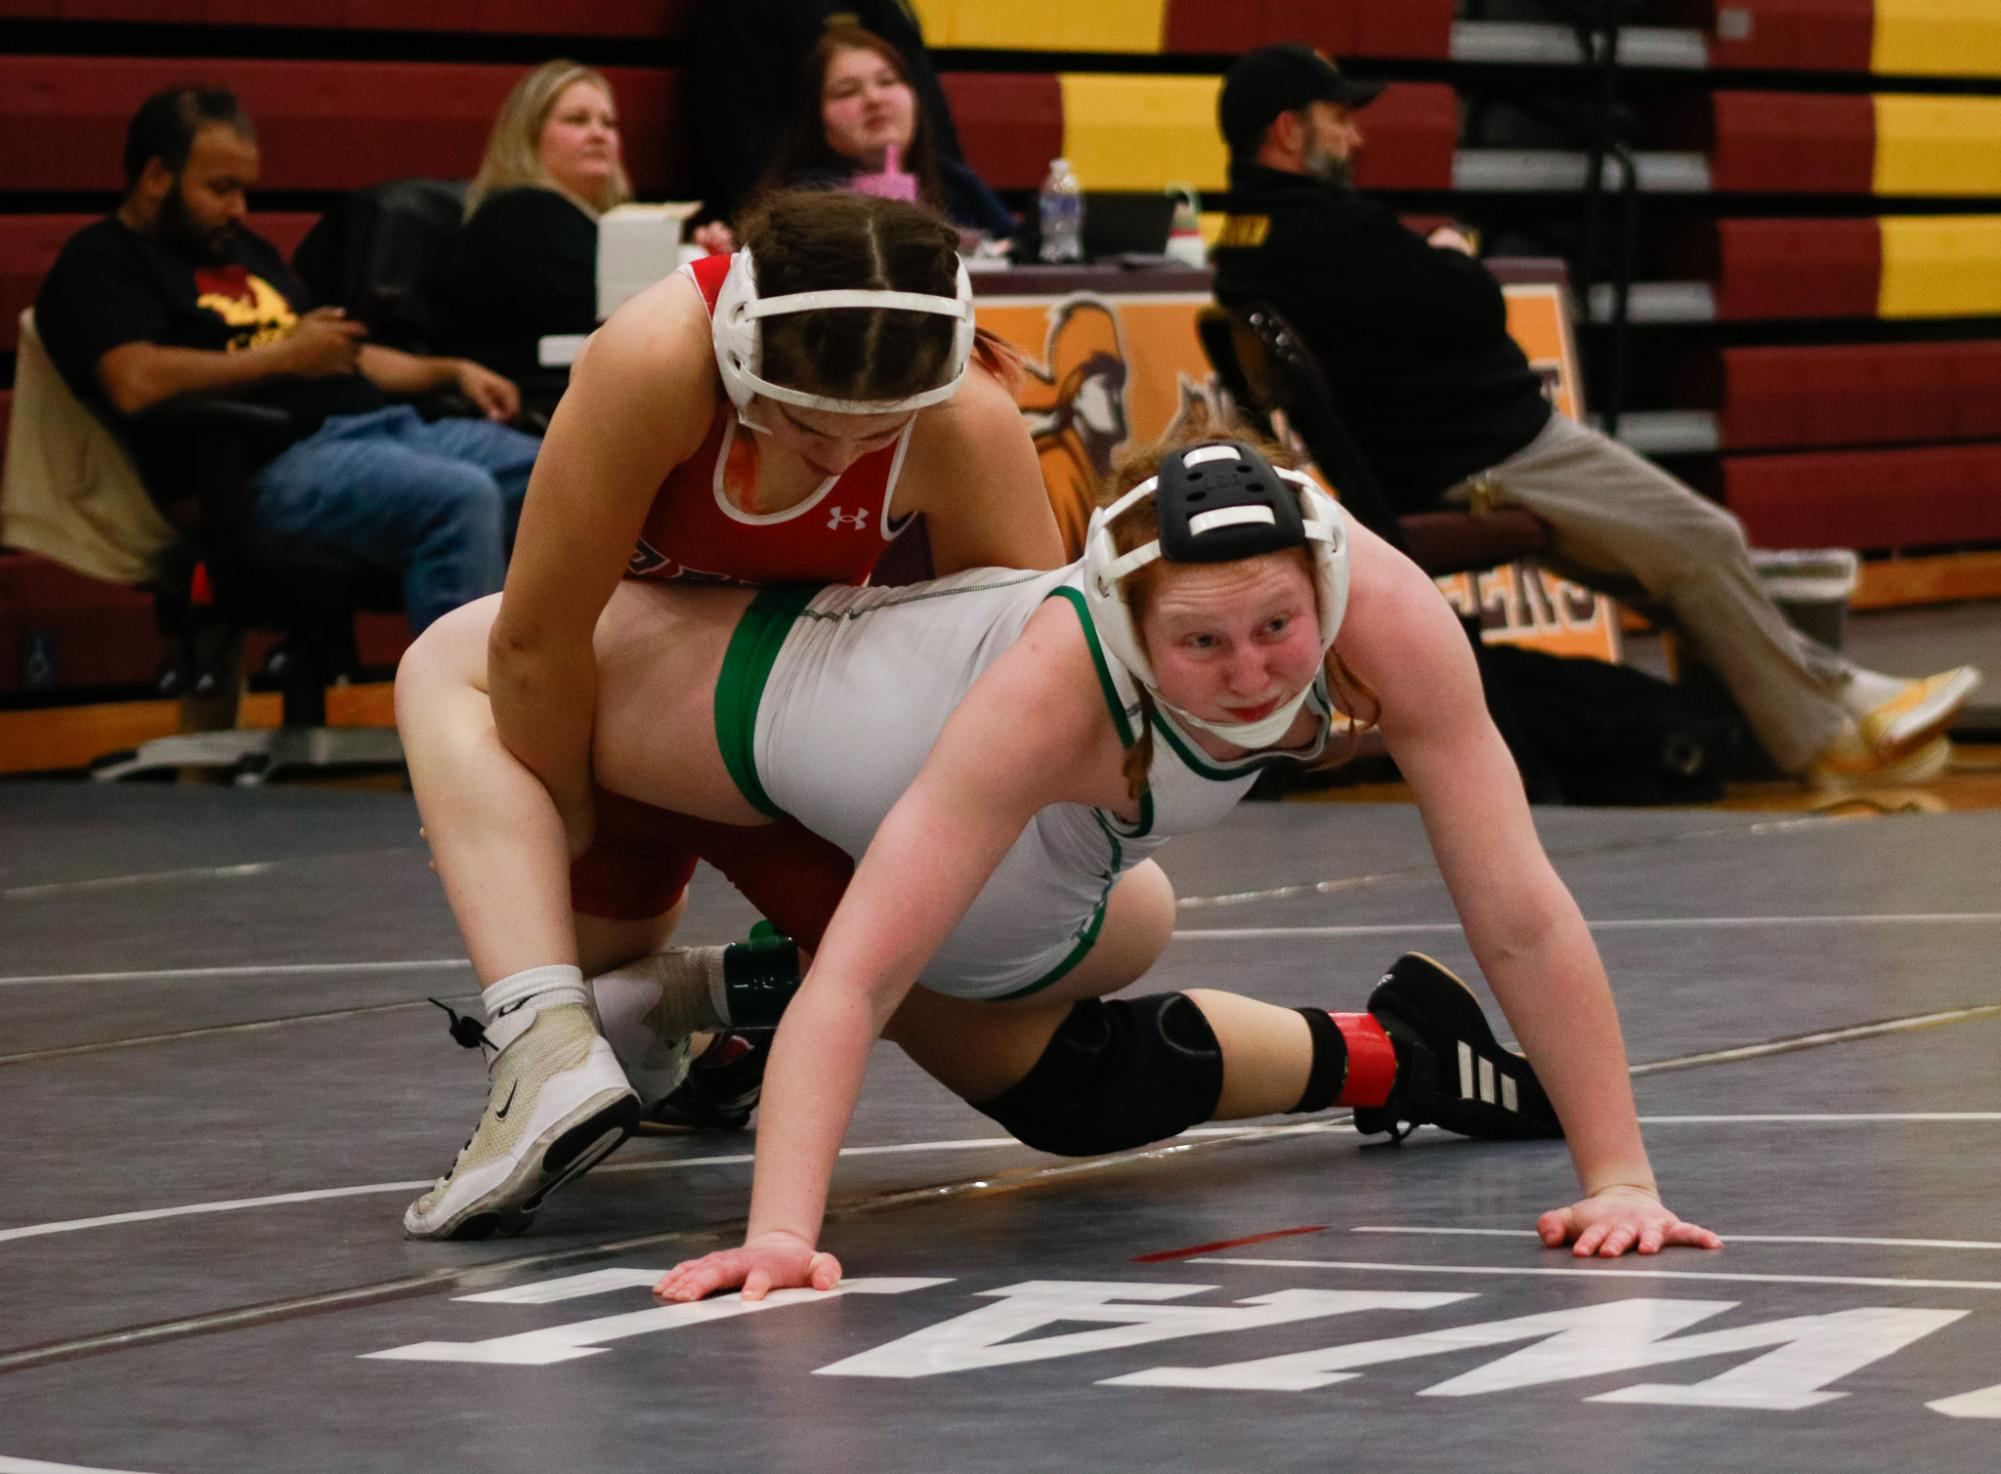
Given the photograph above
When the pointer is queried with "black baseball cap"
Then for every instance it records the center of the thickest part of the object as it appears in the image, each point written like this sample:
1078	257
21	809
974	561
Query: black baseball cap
1281	79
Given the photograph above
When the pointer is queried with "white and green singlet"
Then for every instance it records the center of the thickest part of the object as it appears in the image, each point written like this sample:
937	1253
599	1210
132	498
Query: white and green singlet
830	699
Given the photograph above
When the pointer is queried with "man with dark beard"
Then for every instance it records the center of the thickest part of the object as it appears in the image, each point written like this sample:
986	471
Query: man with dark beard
1412	333
171	295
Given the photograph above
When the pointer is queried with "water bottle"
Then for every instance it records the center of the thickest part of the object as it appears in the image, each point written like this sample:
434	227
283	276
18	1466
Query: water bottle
1062	202
1184	236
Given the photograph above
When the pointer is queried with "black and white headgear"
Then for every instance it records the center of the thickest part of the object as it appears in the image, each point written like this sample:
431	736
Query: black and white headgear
1216	503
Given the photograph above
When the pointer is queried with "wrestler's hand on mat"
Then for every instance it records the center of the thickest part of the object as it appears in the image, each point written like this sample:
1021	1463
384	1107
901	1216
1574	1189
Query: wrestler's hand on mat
1616	1219
771	1261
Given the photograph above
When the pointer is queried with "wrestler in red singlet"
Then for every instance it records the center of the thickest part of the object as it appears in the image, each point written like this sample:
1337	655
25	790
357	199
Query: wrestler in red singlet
701	526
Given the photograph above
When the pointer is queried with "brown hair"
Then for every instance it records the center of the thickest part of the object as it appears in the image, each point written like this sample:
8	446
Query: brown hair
807	240
1134	464
802	151
514	150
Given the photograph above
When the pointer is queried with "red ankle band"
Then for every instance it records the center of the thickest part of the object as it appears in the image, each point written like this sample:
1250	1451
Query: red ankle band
1372	1060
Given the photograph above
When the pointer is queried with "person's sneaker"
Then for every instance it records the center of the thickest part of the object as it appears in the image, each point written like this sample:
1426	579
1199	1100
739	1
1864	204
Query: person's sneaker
558	1104
1451	1071
721	1087
1851	761
1919	711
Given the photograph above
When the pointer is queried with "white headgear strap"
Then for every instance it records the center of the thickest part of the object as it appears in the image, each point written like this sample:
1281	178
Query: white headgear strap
736	328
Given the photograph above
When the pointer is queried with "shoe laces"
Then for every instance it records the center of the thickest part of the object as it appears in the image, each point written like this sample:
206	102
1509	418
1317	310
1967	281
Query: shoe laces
465	1029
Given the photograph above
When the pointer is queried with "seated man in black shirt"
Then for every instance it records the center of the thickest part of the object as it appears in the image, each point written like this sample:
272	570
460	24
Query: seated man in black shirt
170	295
1413	336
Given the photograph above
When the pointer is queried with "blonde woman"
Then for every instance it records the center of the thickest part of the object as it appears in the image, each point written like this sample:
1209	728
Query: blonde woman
526	263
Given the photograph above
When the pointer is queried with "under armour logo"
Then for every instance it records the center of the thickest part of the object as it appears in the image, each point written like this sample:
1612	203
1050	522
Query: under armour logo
840	517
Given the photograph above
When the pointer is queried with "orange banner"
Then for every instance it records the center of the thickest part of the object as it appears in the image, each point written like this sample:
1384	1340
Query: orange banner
1106	368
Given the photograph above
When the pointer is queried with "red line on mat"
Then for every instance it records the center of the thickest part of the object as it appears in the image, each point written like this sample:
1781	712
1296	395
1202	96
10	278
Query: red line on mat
1256	1238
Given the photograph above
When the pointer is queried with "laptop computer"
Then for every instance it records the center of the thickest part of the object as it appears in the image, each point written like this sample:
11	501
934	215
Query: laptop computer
1121	223
1116	224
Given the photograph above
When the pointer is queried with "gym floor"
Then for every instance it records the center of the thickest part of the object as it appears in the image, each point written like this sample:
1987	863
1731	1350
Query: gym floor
222	1083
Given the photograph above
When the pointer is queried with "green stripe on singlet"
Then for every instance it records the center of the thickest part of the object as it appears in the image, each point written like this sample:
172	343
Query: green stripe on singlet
747	662
1075	597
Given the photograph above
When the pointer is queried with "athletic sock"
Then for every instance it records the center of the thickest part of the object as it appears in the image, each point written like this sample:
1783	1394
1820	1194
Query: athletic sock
512	1003
666	994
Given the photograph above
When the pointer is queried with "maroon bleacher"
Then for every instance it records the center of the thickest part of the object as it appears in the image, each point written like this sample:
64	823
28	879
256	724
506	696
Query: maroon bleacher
1010	123
1792	35
1412	132
663	19
1856	394
321	125
1398	28
1782	268
1809	143
1929	497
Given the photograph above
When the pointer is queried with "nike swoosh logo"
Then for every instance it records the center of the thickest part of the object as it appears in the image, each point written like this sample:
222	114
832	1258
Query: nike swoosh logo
501	1114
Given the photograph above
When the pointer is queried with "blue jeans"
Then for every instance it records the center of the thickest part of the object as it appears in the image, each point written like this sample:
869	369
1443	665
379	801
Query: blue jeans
437	502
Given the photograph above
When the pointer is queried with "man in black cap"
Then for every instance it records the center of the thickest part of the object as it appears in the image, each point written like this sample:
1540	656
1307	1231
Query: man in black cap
1412	334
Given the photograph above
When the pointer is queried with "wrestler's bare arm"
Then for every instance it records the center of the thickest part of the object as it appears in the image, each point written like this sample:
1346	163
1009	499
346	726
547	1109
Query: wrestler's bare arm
640	400
987	775
1521	922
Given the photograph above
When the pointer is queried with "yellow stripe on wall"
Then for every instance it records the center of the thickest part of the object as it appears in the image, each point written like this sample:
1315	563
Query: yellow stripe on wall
1938	145
1941	266
1937	38
1137	26
1142	132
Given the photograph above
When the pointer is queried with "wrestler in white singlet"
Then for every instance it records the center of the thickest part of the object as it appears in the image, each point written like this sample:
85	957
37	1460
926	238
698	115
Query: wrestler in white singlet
830	700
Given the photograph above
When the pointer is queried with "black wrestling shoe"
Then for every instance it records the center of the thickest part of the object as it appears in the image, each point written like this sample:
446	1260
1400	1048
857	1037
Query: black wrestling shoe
1451	1071
722	1087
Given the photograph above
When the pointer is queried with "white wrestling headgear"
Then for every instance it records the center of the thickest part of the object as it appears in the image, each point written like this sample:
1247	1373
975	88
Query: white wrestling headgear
1216	503
736	326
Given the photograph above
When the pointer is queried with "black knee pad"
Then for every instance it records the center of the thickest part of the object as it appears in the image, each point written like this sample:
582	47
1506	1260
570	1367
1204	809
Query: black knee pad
1119	1073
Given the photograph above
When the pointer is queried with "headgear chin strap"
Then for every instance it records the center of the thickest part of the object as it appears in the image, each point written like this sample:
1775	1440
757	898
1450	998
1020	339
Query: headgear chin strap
737	330
1217	503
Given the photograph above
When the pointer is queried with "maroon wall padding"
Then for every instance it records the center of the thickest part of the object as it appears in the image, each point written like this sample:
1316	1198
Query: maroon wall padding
671	19
29	243
1811	35
1932	497
321	125
1861	394
1409	134
648	18
81	631
1401	28
1797	268
28	246
1805	142
1010	123
158	11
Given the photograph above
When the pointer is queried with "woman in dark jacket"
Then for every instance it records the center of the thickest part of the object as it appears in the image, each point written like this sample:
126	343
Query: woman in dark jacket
526	263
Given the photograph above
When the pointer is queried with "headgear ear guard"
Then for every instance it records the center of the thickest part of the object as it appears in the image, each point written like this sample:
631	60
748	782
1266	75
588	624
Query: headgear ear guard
736	327
1216	503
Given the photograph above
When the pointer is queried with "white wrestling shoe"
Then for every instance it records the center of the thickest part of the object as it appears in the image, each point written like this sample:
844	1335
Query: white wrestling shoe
558	1104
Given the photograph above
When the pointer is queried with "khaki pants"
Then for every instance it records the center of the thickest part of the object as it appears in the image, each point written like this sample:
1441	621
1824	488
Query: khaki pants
1620	524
